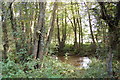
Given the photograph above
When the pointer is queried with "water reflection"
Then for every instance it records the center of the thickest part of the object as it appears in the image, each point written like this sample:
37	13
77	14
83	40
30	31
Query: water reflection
82	62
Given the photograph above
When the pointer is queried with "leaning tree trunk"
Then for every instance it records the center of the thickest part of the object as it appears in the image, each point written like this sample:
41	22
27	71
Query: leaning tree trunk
51	29
93	46
91	31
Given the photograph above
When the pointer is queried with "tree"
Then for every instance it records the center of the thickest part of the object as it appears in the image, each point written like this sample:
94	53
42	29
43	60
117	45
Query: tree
90	25
112	21
40	34
51	29
5	30
79	26
14	26
74	27
91	31
61	41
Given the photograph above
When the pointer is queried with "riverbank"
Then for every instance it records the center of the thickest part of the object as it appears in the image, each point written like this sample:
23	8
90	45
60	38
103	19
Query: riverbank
54	68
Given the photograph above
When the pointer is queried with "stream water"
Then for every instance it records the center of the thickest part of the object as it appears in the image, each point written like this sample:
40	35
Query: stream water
77	61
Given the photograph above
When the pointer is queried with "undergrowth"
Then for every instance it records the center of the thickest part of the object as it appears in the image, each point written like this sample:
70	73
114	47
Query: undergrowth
53	68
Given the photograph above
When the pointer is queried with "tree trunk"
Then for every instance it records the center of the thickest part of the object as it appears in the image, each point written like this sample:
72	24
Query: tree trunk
14	26
22	24
113	33
40	34
61	42
75	28
113	41
93	46
91	31
58	30
58	35
79	33
51	29
5	31
79	27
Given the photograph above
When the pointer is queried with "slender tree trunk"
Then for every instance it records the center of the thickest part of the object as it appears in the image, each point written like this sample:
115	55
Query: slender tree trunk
75	27
32	31
104	36
5	31
65	29
93	46
51	29
14	26
90	26
58	30
23	31
81	33
79	27
58	34
64	26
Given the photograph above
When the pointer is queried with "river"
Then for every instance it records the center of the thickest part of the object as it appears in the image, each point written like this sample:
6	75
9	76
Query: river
77	61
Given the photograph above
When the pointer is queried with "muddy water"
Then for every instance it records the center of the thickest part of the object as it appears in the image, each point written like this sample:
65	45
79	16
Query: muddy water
76	61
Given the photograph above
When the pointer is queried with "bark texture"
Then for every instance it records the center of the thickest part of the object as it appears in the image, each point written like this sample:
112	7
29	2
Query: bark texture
14	26
51	29
40	34
5	31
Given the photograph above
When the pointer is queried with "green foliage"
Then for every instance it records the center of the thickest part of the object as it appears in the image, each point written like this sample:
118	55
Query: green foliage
68	48
53	68
101	52
52	48
97	69
21	64
19	56
116	68
12	70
